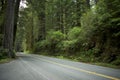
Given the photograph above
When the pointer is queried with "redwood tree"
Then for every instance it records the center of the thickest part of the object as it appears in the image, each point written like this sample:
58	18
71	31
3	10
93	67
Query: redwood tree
9	28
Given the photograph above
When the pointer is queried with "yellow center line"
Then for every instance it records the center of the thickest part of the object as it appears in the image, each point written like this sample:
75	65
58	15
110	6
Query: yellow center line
82	70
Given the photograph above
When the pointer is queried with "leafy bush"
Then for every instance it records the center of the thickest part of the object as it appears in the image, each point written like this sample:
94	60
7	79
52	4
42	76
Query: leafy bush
88	25
50	44
74	33
116	62
55	36
3	52
42	46
69	47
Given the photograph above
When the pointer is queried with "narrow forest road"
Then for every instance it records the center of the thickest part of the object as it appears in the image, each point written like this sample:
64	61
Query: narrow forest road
35	67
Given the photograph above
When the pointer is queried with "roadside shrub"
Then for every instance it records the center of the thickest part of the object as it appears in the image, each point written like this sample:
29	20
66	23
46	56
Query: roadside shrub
42	46
3	53
50	44
55	36
117	61
74	33
69	47
72	44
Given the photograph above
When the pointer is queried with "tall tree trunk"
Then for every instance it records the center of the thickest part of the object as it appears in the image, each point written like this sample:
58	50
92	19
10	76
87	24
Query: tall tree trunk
17	3
42	19
61	21
9	28
78	12
2	11
61	17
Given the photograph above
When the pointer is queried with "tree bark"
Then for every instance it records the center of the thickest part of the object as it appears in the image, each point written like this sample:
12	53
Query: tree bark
17	3
42	18
78	12
9	28
2	11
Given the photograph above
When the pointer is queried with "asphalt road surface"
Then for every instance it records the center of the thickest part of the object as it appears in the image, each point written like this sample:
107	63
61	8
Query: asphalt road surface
35	67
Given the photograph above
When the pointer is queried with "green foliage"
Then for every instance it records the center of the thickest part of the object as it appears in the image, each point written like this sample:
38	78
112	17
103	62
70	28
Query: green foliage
3	53
51	42
5	60
116	62
67	46
100	30
88	25
72	45
74	33
42	46
55	36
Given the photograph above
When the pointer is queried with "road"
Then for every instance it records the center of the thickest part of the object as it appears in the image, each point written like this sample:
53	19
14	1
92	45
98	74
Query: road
37	67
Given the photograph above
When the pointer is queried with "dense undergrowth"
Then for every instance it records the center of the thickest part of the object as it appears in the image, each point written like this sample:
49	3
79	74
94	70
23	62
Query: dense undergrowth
71	46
